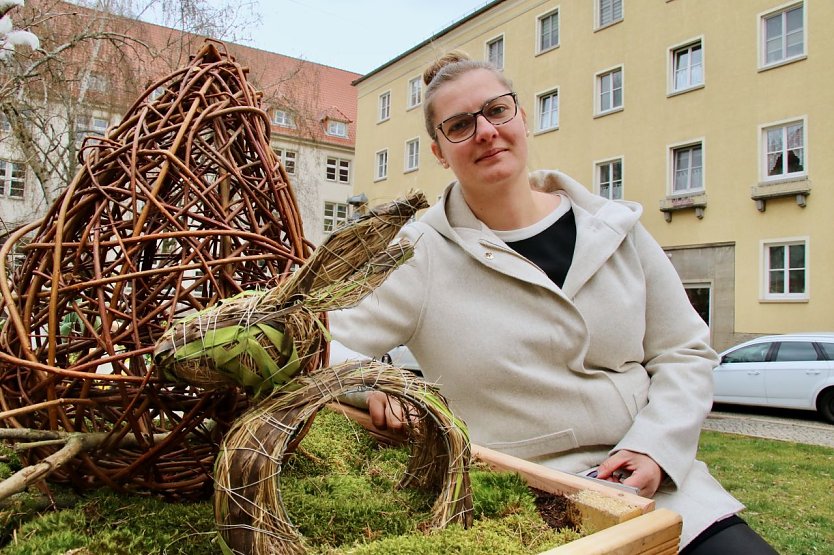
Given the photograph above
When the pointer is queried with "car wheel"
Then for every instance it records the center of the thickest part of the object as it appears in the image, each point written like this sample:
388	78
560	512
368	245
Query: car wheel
825	405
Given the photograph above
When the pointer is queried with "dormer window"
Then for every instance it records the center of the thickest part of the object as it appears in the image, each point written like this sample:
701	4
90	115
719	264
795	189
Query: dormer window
282	118
337	128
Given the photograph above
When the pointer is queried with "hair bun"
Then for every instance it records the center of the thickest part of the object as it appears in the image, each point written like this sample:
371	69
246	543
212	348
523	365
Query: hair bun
450	58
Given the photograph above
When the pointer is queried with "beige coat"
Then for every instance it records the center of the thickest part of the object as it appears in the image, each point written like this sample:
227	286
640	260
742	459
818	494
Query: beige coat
615	359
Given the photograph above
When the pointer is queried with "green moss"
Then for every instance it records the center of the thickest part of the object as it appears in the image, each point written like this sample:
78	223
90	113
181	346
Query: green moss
340	490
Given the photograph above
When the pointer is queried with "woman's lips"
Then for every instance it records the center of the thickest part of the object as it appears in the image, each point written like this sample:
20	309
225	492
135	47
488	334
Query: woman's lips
490	153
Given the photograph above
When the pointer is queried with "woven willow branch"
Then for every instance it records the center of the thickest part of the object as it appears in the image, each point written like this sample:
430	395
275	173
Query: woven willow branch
250	514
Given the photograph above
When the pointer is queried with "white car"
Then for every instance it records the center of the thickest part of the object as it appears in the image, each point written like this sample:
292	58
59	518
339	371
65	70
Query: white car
794	371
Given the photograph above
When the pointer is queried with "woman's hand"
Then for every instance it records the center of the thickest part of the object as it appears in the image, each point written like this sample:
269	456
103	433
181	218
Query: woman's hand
386	412
641	471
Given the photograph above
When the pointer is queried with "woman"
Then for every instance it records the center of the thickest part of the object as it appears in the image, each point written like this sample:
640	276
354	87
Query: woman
555	325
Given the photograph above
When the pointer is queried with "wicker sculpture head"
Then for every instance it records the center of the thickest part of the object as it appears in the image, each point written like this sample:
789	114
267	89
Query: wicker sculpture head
182	205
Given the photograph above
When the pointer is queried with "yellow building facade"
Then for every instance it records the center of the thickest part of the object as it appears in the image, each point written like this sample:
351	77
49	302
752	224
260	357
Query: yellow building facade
715	116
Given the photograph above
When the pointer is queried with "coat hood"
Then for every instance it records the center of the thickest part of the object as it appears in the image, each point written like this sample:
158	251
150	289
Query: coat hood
453	212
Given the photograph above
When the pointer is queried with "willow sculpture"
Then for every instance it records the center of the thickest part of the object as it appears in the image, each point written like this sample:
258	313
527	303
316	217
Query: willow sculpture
179	206
262	340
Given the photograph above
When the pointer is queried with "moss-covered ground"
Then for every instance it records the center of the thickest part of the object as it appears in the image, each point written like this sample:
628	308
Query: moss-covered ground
339	489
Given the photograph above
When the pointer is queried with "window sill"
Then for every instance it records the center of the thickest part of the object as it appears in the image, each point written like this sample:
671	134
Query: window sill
608	112
799	187
698	87
781	63
409	108
546	50
607	25
382	120
671	204
411	170
378	179
794	300
545	131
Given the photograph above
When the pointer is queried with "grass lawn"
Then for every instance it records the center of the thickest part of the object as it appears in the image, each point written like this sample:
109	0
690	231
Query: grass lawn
788	489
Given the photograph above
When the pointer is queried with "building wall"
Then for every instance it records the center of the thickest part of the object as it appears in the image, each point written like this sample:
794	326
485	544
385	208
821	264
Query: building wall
725	115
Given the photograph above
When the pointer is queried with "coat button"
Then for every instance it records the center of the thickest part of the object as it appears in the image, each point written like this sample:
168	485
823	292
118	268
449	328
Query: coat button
488	255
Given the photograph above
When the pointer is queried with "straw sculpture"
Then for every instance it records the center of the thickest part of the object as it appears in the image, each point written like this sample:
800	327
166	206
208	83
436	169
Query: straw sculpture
261	339
181	205
248	507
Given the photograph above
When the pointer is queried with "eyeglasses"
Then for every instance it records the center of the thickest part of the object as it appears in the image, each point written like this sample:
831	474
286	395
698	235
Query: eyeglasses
497	111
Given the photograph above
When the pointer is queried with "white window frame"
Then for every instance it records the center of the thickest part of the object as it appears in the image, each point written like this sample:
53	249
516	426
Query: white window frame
381	165
599	12
414	92
540	114
598	165
337	165
540	48
12	172
763	149
412	154
337	128
335	215
288	158
488	46
89	126
598	91
766	270
672	151
384	107
780	11
283	118
672	86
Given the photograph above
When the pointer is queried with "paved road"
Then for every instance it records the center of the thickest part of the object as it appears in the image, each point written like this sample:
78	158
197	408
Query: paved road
786	425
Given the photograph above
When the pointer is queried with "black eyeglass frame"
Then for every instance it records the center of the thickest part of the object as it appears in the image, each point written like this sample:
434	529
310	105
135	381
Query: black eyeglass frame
480	113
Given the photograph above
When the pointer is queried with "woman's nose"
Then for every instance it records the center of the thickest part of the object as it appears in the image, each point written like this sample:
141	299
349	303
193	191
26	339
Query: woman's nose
484	129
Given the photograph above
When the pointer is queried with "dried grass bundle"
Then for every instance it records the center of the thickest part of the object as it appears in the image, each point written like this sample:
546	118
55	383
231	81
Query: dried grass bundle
248	507
261	339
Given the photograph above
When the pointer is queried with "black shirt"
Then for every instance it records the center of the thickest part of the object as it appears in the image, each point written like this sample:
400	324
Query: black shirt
552	249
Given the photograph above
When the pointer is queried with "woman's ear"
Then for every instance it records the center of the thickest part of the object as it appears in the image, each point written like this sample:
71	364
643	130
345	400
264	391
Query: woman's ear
435	149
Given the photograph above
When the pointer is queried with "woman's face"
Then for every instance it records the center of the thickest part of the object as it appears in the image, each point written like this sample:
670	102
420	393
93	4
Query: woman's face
495	155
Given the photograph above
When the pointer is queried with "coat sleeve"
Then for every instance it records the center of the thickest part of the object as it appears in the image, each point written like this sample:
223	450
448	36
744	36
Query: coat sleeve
388	316
679	361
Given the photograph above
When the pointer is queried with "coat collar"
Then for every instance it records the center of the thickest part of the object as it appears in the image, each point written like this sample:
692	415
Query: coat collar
601	226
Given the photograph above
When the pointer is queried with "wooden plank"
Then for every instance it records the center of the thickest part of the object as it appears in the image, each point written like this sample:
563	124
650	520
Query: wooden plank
654	533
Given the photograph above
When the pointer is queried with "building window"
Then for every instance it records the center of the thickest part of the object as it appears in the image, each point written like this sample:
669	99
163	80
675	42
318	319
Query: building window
384	106
784	150
610	179
700	296
5	126
283	118
337	128
609	11
12	178
415	92
610	90
335	215
338	170
687	67
412	155
381	171
548	111
287	158
95	82
687	172
786	275
783	35
549	31
495	52
88	126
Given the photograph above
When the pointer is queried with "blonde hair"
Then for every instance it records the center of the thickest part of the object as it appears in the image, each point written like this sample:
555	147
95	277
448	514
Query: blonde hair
446	69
